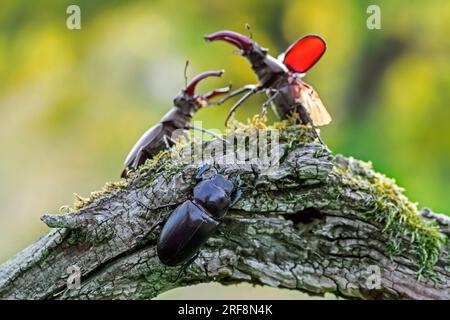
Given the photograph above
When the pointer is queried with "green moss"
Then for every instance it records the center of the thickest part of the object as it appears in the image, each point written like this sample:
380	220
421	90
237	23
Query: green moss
155	164
399	217
289	132
73	237
81	202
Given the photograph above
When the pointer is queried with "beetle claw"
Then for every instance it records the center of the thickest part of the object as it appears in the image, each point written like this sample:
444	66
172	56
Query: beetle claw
204	167
235	197
186	265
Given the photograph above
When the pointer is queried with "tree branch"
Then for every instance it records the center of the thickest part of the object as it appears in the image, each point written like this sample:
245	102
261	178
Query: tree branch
317	223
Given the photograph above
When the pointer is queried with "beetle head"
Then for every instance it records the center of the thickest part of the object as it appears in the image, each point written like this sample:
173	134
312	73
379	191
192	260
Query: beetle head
189	102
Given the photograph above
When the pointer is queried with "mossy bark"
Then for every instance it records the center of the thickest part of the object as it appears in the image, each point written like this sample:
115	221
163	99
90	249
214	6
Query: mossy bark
318	223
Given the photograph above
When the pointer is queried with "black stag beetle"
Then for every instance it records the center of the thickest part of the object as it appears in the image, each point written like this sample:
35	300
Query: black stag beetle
161	136
194	221
281	78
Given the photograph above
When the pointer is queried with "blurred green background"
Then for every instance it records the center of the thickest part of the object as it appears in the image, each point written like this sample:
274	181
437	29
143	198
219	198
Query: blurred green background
73	102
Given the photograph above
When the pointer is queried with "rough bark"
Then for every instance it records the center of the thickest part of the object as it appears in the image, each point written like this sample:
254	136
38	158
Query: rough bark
307	225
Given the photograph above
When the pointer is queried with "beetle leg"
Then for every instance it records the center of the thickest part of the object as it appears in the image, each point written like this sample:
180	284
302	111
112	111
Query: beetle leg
237	193
305	113
124	173
204	167
233	94
186	265
190	126
143	205
266	103
168	140
214	93
140	158
241	101
235	196
158	221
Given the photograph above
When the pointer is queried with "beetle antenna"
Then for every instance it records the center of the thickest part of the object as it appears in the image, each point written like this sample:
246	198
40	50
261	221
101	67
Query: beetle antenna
249	29
185	73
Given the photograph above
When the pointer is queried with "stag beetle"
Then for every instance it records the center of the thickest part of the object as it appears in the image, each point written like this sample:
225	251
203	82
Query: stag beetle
281	78
159	137
194	221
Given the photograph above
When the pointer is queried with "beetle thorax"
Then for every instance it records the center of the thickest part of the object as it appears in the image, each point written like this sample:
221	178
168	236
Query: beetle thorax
176	118
264	65
214	195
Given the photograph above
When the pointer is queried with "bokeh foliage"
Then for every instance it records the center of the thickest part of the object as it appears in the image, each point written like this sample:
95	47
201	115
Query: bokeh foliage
72	102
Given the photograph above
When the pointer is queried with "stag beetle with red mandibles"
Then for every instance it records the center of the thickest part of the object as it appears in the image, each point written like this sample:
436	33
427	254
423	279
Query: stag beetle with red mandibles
160	136
281	78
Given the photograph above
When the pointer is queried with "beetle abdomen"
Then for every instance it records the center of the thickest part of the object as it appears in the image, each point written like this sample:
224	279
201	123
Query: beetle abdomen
186	230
